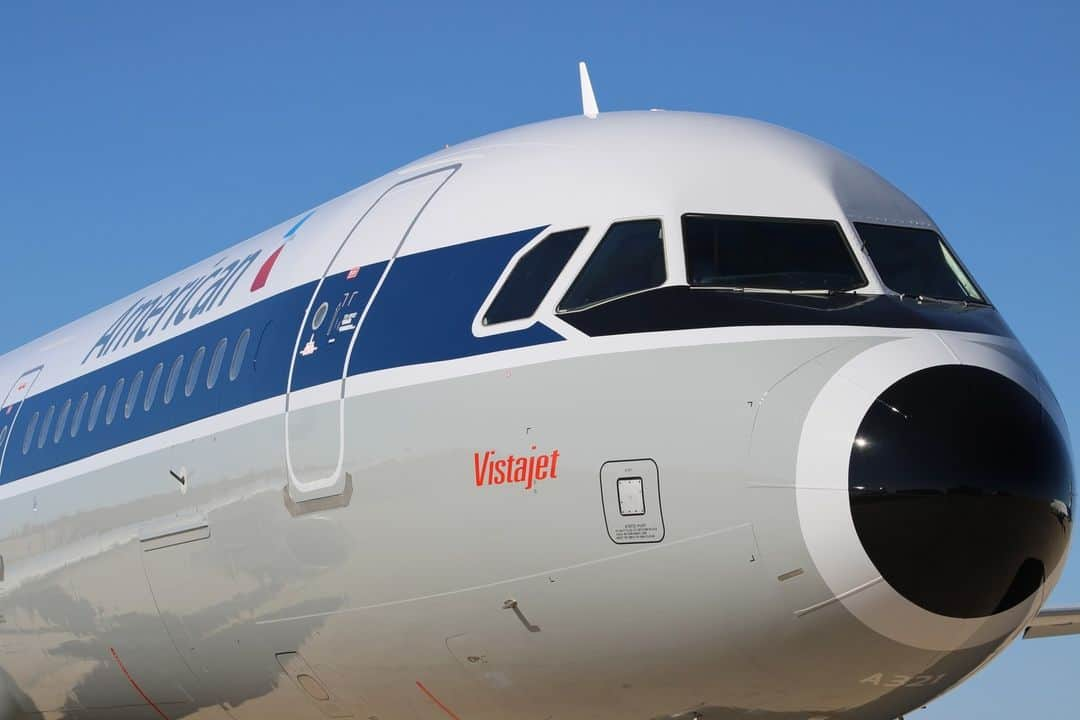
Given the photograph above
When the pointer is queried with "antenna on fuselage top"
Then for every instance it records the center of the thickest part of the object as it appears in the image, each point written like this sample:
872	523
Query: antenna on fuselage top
588	98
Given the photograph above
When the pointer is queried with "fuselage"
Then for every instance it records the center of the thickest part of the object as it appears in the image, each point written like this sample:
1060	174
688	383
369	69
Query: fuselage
341	470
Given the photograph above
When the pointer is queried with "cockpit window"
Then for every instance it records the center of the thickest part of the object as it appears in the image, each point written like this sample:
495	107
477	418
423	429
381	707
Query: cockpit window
630	258
768	254
916	262
532	277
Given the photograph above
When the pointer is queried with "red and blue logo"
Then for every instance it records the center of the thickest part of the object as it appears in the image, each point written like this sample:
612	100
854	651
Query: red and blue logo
263	275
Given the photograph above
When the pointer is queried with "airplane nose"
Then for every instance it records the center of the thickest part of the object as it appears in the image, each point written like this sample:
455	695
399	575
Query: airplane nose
961	490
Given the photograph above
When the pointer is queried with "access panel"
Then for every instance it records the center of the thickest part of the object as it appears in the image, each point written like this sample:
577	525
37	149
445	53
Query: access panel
630	492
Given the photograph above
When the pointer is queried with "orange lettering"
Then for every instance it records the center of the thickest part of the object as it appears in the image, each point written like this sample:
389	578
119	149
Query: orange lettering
480	467
489	469
542	466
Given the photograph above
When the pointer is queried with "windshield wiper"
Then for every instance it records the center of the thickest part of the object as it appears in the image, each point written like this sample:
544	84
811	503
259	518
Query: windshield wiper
825	291
722	288
772	291
943	301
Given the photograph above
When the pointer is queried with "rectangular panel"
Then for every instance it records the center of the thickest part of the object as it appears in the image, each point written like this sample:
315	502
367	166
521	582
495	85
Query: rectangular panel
630	492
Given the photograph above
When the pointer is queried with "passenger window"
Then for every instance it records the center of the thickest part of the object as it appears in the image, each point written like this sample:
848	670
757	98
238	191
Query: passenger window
30	433
152	386
630	258
45	424
114	401
95	409
320	316
193	371
768	254
532	276
3	437
133	395
916	262
61	422
174	378
216	361
80	410
238	355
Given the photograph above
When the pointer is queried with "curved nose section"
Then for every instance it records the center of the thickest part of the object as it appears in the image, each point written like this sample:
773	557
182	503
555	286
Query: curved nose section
960	487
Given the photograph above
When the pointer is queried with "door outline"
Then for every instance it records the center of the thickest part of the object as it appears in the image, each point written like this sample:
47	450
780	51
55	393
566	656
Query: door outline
336	482
8	402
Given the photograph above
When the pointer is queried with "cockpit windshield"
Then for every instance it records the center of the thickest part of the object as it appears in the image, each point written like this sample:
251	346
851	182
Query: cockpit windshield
629	259
916	262
768	254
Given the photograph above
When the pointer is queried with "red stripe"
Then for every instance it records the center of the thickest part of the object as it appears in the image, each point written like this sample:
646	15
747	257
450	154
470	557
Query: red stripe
264	272
136	685
435	700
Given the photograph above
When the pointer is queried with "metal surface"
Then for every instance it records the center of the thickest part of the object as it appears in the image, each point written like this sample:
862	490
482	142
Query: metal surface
429	591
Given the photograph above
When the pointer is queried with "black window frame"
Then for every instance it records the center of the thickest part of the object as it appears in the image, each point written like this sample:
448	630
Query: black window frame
561	309
845	239
982	301
509	280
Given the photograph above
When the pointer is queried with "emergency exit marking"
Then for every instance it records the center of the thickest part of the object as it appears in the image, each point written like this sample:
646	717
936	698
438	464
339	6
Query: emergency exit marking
631	496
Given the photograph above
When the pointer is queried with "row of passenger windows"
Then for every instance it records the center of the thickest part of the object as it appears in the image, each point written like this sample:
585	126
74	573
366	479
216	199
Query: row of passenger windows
727	252
128	395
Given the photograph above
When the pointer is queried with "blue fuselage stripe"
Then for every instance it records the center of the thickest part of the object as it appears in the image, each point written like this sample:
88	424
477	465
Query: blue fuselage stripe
422	314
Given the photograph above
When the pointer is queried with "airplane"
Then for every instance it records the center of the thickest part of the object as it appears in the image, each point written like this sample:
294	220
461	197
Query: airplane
654	415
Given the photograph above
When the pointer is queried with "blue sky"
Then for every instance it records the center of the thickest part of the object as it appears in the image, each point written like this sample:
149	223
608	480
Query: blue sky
136	138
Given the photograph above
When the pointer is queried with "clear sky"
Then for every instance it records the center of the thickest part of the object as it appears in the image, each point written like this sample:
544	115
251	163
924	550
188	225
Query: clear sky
136	138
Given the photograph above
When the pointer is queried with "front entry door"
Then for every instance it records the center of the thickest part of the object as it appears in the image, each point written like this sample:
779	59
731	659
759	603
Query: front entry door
315	407
9	411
